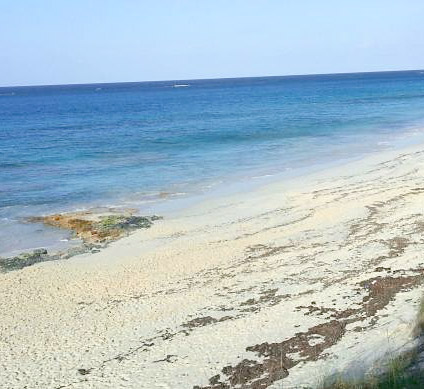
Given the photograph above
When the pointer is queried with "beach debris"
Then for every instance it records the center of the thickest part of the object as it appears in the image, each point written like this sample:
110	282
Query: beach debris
170	358
84	371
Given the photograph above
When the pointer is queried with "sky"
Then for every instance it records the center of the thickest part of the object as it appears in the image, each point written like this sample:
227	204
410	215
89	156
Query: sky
88	41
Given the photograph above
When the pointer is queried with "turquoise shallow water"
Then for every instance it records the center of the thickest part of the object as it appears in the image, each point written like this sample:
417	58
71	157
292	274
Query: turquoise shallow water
137	144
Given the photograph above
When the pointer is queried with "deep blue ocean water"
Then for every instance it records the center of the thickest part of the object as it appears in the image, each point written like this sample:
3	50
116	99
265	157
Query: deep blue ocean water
68	147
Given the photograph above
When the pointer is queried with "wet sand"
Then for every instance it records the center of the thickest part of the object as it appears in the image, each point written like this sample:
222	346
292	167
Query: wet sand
283	285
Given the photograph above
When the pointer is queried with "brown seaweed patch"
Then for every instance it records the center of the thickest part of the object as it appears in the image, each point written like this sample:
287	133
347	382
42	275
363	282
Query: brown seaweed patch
279	357
420	226
267	298
383	289
263	251
397	246
251	374
315	309
204	321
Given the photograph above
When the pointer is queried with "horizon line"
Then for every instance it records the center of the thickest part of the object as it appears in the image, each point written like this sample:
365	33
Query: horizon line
209	79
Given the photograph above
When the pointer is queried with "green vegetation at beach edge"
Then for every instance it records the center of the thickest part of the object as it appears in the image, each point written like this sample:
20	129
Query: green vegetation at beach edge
403	371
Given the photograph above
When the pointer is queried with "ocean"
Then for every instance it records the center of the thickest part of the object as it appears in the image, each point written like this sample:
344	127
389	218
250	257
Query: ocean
143	145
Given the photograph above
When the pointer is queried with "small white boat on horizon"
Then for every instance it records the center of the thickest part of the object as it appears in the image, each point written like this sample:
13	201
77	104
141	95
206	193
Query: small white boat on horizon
180	85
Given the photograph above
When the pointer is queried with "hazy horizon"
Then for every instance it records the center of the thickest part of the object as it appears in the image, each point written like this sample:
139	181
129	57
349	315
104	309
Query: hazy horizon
212	78
55	43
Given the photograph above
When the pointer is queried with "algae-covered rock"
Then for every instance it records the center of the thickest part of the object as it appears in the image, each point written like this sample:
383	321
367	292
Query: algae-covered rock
126	223
25	259
95	228
41	255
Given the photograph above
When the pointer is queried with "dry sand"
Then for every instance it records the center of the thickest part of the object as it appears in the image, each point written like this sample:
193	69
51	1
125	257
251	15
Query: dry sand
275	288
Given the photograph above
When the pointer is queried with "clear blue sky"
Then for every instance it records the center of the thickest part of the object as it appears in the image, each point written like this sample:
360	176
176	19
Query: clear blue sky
83	41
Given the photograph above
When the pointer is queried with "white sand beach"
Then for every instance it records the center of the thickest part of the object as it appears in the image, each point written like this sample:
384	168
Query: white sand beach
277	287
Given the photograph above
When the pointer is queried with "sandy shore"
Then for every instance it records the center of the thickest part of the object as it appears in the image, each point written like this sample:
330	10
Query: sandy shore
280	286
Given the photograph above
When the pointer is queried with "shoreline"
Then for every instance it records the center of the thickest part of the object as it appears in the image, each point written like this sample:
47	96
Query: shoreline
285	283
170	203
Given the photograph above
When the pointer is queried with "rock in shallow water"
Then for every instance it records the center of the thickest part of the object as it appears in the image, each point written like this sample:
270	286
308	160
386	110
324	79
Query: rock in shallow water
96	230
25	259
